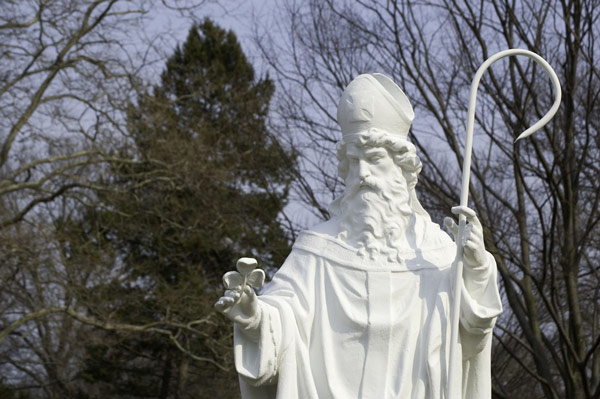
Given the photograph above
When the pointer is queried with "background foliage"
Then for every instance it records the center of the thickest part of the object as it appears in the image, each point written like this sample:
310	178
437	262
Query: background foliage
108	290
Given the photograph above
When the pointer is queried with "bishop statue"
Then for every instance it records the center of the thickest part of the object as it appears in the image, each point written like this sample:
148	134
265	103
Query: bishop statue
361	307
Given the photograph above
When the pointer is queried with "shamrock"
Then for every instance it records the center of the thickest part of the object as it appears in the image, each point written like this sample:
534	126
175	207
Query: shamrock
248	275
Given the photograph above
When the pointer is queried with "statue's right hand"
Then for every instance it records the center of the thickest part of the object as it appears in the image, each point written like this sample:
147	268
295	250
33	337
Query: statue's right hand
239	302
239	305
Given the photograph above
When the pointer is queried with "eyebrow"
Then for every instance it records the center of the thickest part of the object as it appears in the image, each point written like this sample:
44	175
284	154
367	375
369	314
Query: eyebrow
371	151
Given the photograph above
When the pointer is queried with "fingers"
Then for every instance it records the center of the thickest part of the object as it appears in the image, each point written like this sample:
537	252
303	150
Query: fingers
235	293
228	300
473	232
224	303
246	299
471	218
472	240
475	254
474	235
451	225
474	220
464	210
249	301
248	290
469	213
474	247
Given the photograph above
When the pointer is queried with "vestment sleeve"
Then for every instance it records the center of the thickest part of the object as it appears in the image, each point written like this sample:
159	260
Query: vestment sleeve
481	303
286	308
480	306
256	359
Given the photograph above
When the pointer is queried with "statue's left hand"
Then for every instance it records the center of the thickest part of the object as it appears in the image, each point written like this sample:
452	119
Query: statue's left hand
474	251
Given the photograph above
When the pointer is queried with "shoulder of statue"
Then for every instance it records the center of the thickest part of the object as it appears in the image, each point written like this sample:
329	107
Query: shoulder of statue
328	228
322	239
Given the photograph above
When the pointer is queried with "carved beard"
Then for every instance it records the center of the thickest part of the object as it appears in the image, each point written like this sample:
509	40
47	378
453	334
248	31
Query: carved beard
375	216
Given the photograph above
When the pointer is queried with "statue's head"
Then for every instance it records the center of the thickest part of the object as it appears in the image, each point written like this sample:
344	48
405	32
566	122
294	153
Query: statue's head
374	101
378	164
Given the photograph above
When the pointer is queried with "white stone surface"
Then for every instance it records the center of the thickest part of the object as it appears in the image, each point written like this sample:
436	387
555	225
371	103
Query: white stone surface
361	307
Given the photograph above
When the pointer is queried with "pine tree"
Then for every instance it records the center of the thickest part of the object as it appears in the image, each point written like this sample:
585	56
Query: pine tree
226	179
208	186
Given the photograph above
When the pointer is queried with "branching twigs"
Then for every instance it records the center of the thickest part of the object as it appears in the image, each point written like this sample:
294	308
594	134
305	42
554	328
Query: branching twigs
172	330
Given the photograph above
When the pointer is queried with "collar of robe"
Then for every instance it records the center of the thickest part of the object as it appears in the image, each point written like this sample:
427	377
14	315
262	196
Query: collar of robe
436	251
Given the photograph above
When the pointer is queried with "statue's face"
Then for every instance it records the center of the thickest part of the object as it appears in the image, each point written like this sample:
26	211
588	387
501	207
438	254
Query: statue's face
375	208
370	167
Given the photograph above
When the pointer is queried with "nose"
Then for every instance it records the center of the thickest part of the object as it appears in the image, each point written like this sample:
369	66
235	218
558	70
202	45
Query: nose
363	170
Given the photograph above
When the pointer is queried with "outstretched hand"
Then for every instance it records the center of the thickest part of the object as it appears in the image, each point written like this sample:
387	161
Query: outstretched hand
474	249
239	303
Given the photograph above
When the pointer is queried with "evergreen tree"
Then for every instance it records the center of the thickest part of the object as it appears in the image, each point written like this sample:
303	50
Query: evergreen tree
208	187
222	174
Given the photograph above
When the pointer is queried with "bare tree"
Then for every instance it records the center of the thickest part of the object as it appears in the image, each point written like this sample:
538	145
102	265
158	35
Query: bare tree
68	72
538	200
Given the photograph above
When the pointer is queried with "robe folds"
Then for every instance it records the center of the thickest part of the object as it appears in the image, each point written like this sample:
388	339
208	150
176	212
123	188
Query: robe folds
336	325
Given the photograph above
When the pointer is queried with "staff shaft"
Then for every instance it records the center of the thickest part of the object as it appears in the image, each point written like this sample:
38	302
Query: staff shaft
453	384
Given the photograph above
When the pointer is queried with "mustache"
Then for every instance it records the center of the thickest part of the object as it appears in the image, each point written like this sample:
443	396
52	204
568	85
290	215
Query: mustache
368	182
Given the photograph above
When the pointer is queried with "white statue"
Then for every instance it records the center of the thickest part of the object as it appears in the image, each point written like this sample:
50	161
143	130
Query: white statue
361	307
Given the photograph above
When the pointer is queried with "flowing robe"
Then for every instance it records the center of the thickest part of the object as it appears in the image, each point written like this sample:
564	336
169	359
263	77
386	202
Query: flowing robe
334	324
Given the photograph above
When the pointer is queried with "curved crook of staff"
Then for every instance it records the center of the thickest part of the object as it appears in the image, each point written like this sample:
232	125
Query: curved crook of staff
453	384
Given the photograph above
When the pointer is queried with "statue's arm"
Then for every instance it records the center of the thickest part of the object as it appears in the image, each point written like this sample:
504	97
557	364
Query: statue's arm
480	304
265	325
257	327
479	264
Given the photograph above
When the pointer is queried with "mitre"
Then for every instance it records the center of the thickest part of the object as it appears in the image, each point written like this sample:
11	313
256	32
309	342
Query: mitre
374	101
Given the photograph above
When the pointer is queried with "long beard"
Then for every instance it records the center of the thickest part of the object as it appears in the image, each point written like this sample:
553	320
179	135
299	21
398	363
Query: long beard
375	217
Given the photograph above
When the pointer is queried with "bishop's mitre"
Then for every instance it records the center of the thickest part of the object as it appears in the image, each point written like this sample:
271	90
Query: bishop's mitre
374	101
